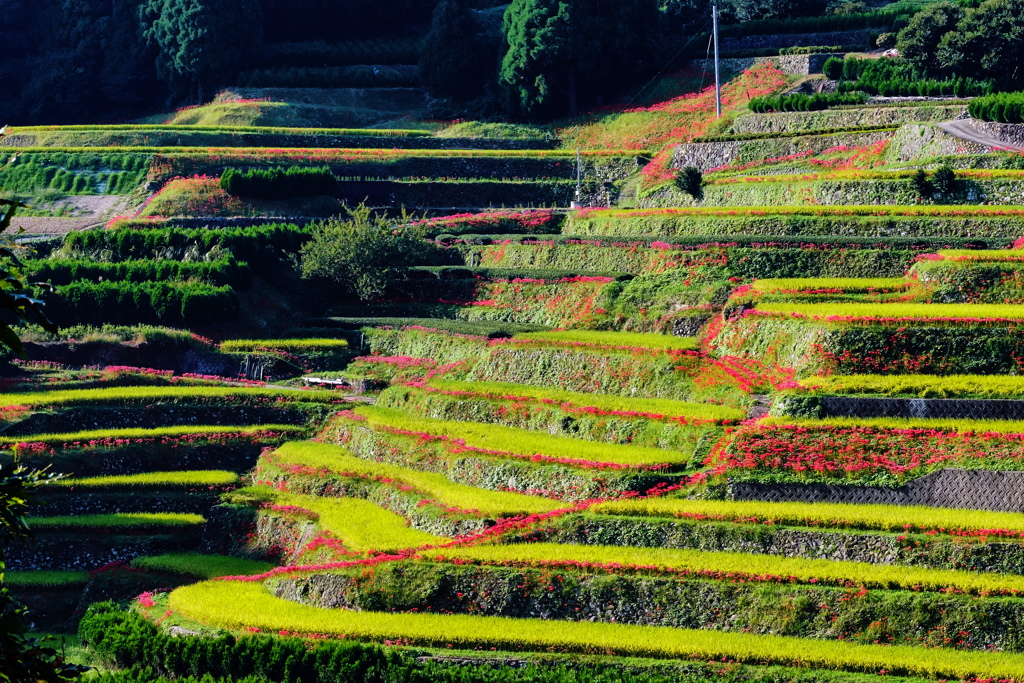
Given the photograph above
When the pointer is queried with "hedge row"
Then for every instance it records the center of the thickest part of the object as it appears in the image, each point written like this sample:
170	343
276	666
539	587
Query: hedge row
891	77
163	303
1001	108
223	272
878	19
279	183
802	102
260	245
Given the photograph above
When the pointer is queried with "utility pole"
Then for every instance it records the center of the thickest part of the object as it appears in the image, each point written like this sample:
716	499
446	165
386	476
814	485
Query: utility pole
718	82
578	203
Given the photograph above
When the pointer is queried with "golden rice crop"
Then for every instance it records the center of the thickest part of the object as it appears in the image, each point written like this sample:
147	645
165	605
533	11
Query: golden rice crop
246	605
337	459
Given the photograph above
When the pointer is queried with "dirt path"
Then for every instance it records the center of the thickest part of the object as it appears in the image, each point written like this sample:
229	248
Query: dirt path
965	131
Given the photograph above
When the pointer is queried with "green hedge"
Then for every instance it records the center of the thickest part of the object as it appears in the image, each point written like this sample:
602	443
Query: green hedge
1001	108
880	19
893	77
279	183
85	173
126	303
224	272
802	102
261	245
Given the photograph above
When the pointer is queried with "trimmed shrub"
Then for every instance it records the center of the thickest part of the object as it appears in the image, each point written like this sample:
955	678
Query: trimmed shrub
279	183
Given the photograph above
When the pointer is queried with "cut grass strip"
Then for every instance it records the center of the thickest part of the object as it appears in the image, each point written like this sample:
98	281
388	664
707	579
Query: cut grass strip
46	579
118	394
114	437
937	424
201	566
509	441
656	408
758	567
894	518
246	605
845	284
337	460
839	310
626	340
121	520
243	345
361	525
201	478
924	386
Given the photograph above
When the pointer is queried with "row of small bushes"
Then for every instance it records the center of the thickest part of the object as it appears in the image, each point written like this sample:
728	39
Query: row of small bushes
802	102
223	272
783	51
85	159
279	182
1000	107
330	77
895	78
259	245
878	19
921	244
163	303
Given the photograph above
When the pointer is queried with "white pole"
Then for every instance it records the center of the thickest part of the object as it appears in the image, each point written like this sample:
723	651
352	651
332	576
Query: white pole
718	82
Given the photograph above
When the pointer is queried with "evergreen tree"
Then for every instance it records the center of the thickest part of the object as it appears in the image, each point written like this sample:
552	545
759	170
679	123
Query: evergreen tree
456	60
202	43
563	54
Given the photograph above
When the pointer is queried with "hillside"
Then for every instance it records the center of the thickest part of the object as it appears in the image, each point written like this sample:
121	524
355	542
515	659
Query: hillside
641	394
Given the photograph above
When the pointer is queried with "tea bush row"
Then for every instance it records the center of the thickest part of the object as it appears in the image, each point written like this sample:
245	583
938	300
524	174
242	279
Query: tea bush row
160	303
225	272
279	183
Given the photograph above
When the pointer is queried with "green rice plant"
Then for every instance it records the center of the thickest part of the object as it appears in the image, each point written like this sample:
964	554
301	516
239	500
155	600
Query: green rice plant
200	478
845	284
921	386
841	573
632	340
201	566
664	408
120	520
936	424
338	460
114	437
361	525
293	345
499	440
897	311
45	579
129	394
239	605
894	518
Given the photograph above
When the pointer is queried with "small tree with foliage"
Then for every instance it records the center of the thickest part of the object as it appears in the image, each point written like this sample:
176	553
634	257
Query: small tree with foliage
691	181
922	186
944	180
366	253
